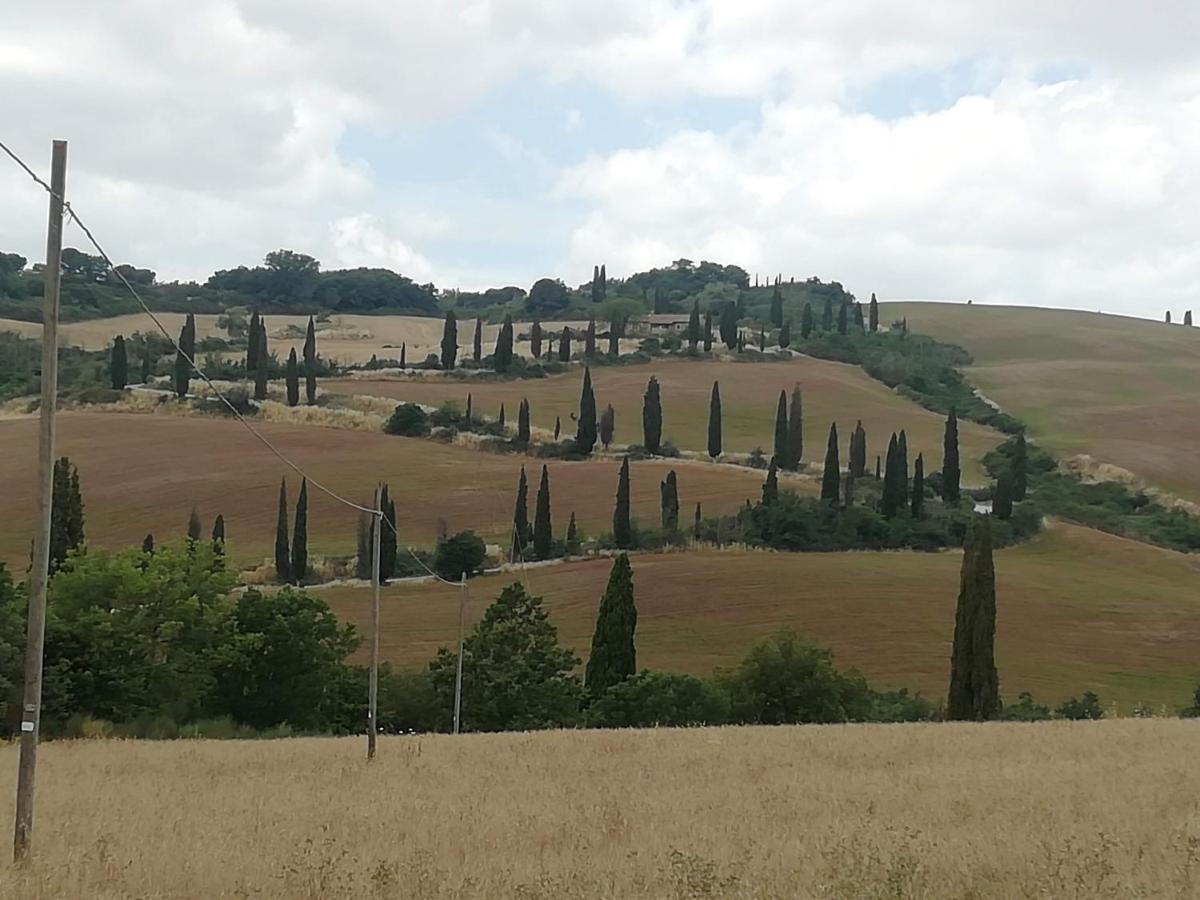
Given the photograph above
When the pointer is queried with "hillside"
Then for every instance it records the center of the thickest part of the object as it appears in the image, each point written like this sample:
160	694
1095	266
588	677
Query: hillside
143	473
1077	610
749	395
1120	390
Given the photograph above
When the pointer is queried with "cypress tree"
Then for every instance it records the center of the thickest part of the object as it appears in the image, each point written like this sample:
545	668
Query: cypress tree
557	426
449	340
729	326
902	469
252	342
66	513
693	327
300	536
1020	469
770	488
608	424
669	493
614	655
589	338
806	321
714	421
918	487
841	318
292	379
785	334
1187	318
146	363
564	345
614	339
848	496
827	316
310	363
148	544
859	324
572	533
708	331
1002	497
858	451
873	313
595	284
470	414
585	431
388	542
781	433
262	368
622	526
762	339
951	473
404	354
194	529
283	558
974	685
890	499
183	368
652	417
521	531
478	343
543	534
366	537
503	356
118	367
795	448
218	543
603	282
535	340
831	480
776	312
1168	317
696	523
877	474
500	418
523	430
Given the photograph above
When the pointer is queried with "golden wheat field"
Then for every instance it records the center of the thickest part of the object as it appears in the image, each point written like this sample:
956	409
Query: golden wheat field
1063	810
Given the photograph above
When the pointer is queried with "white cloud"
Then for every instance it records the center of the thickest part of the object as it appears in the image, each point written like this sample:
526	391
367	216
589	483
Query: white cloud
361	240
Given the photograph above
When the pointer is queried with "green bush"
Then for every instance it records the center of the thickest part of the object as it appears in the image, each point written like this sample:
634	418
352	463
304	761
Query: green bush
1085	707
408	420
667	699
465	552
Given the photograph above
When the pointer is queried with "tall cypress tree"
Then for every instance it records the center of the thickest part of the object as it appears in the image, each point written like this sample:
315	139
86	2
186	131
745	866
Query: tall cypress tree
873	313
951	473
310	363
693	327
469	415
589	339
622	524
388	541
974	684
858	452
572	534
608	425
521	530
806	321
557	427
66	513
292	379
859	324
652	417
183	369
776	310
366	538
696	522
795	449
1020	469
781	433
785	334
118	367
449	340
194	529
714	421
300	535
1187	318
902	469
918	487
669	495
1002	497
404	354
477	348
831	480
877	474
614	338
595	286
218	543
262	369
543	534
283	557
252	342
500	418
535	340
890	498
585	431
730	333
523	429
564	345
614	654
827	316
708	331
503	356
770	488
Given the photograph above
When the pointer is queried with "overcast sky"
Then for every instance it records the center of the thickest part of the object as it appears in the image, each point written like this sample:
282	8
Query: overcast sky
1007	151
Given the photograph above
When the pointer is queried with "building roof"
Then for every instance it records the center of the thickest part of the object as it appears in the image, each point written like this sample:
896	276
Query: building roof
665	318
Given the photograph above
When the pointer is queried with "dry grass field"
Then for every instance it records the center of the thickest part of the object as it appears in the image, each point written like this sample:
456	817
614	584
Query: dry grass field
143	472
749	394
1077	610
1121	390
1072	811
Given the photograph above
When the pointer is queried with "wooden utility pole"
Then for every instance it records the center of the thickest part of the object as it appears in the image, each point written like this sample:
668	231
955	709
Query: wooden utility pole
462	608
373	688
31	711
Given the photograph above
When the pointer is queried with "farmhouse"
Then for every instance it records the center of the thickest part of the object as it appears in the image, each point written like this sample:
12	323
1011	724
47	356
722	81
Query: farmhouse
661	323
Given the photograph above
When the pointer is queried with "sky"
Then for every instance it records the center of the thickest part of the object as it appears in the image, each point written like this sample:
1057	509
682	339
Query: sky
1010	151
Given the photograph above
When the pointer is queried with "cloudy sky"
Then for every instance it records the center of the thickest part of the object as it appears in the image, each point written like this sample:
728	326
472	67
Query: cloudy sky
1008	151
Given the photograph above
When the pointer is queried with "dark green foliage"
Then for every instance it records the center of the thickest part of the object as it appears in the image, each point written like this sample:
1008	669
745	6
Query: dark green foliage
557	427
729	326
770	488
299	567
515	674
283	556
404	355
365	542
572	535
827	315
292	379
806	321
652	417
194	529
547	298
974	686
585	431
523	428
183	369
118	367
262	367
795	447
859	324
693	327
697	522
614	655
408	420
148	540
66	514
660	700
1187	318
951	471
218	542
469	415
858	451
449	341
776	314
564	345
669	502
781	433
1019	469
521	532
878	477
622	524
252	339
535	340
892	497
1025	710
477	345
614	339
714	421
841	318
543	531
762	340
12	648
831	479
388	538
785	334
461	554
918	488
310	363
873	315
608	424
502	358
589	339
708	331
1085	708
500	418
1002	496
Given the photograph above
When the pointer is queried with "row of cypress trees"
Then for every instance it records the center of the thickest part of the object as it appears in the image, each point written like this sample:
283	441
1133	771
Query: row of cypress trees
540	536
291	560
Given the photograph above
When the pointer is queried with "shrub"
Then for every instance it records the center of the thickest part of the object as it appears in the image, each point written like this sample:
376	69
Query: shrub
1086	707
465	552
1025	710
667	699
408	420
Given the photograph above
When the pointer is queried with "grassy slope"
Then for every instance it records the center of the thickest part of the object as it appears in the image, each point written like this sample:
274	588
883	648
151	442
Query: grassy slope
749	394
1078	610
144	473
1121	390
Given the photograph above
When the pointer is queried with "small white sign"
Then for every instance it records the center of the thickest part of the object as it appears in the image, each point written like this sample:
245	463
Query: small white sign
27	726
